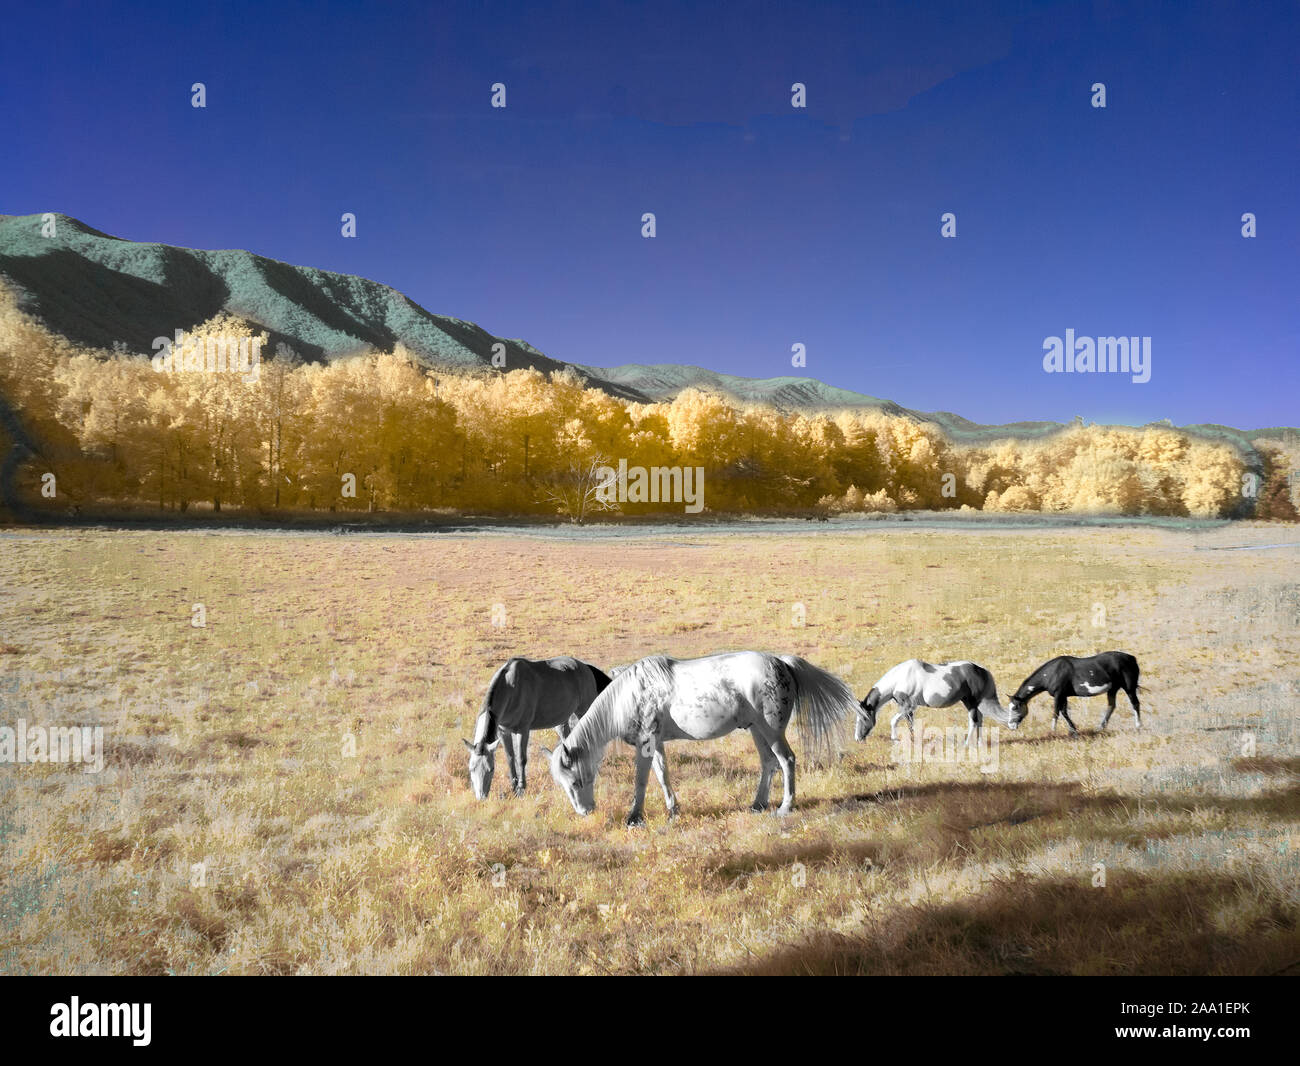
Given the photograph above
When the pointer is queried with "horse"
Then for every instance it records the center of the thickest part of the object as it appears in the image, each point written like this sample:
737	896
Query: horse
1067	676
915	683
659	699
527	694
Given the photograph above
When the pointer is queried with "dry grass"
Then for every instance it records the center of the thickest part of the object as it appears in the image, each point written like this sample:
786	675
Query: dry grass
225	746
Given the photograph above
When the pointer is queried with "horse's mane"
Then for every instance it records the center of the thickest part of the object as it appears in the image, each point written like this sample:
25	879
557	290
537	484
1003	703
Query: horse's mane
1038	677
615	709
489	701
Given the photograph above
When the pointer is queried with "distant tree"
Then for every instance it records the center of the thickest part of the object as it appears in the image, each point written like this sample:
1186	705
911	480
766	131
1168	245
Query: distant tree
1275	501
1213	482
575	488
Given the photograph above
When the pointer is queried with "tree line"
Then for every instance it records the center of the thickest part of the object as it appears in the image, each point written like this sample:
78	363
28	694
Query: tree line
382	432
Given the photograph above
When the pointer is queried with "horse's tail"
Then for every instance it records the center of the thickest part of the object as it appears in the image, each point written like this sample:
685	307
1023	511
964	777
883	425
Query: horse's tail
988	701
824	701
602	679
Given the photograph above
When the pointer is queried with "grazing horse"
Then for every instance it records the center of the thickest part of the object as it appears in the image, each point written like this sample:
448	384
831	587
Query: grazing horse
915	683
1066	676
659	699
528	694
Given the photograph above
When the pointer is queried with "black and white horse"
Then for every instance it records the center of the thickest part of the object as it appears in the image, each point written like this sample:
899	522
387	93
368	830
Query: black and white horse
1067	676
527	694
915	683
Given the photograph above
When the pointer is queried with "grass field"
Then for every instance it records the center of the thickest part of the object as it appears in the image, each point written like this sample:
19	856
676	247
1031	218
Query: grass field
285	787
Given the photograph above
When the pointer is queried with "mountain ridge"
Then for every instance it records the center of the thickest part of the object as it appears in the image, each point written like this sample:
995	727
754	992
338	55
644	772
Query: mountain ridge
99	290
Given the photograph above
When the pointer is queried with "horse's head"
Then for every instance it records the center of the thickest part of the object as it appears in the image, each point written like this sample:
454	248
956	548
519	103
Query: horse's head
866	715
575	778
1017	711
482	763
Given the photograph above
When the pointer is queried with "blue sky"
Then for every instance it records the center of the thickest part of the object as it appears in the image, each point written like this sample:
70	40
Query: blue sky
775	226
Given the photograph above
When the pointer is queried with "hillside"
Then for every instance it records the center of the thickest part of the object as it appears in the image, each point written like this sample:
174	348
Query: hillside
98	290
102	291
663	381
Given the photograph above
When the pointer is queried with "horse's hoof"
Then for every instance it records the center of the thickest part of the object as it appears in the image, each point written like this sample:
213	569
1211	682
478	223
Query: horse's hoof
634	821
758	808
784	809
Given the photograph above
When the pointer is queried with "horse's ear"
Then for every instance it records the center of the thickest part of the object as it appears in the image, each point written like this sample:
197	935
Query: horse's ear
566	760
468	743
494	745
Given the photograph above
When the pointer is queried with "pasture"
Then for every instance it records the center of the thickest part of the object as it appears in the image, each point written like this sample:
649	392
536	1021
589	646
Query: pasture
285	786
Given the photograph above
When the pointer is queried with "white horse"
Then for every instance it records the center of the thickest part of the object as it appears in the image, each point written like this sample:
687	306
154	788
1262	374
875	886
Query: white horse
526	694
659	699
916	683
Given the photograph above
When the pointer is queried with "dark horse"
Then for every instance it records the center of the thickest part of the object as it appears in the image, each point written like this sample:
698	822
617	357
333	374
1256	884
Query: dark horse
1066	676
523	695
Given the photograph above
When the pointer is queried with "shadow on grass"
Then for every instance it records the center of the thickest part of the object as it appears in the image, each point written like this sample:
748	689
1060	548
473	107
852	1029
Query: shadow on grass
1027	801
945	820
970	805
1266	764
1175	924
1064	736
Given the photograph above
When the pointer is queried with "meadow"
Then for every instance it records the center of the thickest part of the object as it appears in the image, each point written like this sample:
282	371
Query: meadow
285	786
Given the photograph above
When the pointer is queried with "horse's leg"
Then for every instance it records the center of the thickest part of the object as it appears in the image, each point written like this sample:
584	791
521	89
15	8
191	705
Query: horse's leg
976	719
636	815
521	739
508	742
784	756
1132	694
661	771
1063	709
766	767
903	712
1110	707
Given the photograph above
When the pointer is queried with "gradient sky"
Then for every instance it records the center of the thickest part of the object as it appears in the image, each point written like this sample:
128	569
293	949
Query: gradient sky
775	226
